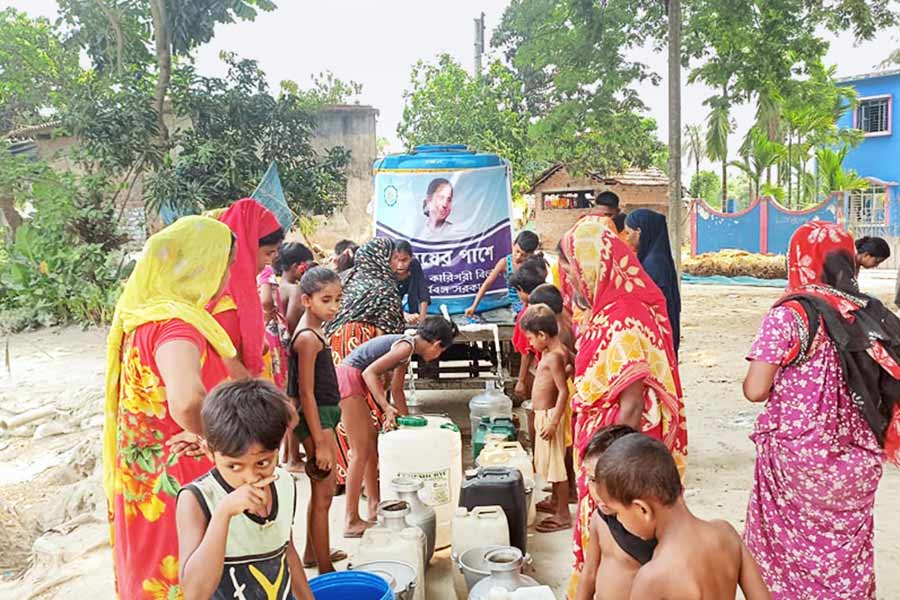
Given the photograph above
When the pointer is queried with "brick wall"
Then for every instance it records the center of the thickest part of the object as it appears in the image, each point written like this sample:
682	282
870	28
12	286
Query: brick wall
551	224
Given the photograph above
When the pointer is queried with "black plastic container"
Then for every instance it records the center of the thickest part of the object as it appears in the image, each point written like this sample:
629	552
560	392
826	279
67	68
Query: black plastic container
504	487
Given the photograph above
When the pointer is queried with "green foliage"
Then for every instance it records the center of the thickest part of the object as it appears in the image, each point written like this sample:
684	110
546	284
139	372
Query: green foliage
118	34
37	68
447	105
326	90
237	129
706	185
62	266
759	155
831	170
694	145
570	59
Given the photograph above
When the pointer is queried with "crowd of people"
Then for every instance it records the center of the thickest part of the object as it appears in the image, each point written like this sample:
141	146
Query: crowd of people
230	345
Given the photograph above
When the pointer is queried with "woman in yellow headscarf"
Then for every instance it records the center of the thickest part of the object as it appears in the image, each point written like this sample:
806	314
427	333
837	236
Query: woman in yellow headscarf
163	354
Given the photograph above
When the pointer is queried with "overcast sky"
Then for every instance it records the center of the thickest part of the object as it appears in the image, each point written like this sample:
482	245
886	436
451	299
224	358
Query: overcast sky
376	44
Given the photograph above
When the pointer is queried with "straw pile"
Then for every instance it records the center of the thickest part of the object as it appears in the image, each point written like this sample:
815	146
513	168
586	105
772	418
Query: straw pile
734	263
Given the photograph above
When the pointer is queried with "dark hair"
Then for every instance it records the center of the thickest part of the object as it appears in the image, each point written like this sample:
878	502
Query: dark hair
528	241
548	294
607	199
273	239
527	279
317	278
639	467
539	318
619	221
238	414
432	188
603	439
293	253
438	329
873	246
403	247
343	245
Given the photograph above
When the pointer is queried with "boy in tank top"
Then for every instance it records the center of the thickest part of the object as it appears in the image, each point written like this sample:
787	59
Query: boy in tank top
234	523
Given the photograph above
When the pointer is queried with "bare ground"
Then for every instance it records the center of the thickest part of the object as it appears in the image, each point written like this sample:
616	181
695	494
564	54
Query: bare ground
50	488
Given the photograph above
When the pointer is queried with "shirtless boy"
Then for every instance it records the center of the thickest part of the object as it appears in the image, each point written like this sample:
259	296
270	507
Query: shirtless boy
638	482
550	396
612	554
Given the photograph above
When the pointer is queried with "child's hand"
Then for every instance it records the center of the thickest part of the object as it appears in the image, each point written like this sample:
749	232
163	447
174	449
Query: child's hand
549	430
324	457
187	444
390	418
250	497
520	389
470	311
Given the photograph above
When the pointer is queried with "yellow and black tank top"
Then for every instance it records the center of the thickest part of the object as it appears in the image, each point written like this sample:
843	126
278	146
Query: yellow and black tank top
256	548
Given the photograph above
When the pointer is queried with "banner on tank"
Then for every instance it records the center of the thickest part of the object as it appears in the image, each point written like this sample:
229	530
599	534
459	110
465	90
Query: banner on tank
458	223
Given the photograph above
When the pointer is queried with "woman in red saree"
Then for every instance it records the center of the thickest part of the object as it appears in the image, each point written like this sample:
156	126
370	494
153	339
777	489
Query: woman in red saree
162	356
240	310
625	367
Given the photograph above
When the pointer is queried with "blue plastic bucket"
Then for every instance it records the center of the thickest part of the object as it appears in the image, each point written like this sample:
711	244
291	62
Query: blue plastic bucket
346	585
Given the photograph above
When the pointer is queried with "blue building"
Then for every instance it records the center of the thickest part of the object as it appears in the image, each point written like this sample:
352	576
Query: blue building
876	210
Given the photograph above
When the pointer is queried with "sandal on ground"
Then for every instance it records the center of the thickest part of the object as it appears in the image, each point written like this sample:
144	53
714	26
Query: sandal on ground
551	524
355	535
337	555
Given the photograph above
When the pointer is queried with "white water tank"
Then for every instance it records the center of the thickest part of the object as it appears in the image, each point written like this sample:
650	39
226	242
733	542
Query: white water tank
428	448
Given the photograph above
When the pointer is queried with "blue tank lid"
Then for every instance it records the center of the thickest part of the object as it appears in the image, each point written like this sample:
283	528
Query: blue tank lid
438	157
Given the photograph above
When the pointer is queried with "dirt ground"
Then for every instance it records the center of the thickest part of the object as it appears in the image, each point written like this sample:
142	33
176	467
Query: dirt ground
52	521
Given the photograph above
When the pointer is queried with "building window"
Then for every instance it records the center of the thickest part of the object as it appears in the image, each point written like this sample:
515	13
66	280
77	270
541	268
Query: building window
867	207
873	115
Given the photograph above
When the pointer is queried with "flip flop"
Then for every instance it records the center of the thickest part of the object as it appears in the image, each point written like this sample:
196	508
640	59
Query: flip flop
550	524
546	506
353	536
337	555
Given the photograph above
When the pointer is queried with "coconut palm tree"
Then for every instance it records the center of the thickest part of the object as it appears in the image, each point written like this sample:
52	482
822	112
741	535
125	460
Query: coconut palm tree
694	146
718	129
831	171
759	153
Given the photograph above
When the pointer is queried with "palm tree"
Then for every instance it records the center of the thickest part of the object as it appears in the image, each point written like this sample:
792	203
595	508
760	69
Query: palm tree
831	170
759	153
694	146
717	131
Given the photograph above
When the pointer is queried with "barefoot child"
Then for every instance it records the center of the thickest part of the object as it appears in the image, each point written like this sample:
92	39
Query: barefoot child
234	523
361	374
550	396
531	274
294	259
638	482
526	245
550	295
612	554
312	379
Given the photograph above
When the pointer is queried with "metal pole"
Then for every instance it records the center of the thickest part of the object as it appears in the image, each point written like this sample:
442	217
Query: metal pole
676	227
479	43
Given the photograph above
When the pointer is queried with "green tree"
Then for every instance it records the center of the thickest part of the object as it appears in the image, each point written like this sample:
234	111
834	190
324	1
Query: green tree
834	178
694	146
718	128
237	128
759	154
705	185
572	62
447	105
130	34
326	90
37	69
